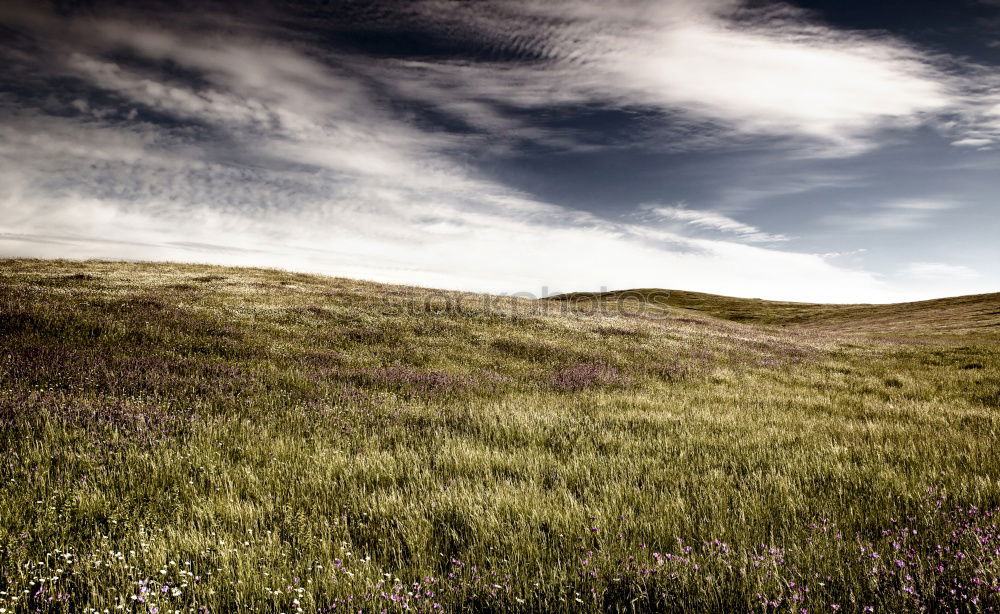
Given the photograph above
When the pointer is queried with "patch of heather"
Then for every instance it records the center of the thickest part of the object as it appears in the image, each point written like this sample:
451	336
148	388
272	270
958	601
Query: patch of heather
766	351
74	369
411	381
322	359
586	375
129	422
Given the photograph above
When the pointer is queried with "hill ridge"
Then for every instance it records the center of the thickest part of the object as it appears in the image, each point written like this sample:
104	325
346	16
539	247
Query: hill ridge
951	314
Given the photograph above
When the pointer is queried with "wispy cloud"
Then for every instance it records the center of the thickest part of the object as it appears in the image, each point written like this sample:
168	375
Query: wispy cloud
747	71
939	271
893	215
978	123
711	220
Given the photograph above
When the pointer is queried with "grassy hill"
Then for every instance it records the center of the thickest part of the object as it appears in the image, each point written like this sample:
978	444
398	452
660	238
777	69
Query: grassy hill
194	438
977	314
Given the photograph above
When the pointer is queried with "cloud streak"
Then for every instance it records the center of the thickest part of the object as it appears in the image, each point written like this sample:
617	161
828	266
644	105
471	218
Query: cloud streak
901	215
715	221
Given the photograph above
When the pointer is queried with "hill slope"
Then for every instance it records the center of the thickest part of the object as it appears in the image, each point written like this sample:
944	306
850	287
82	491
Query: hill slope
978	314
182	437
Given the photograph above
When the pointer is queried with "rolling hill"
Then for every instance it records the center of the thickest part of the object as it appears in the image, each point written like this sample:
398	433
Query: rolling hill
975	314
211	439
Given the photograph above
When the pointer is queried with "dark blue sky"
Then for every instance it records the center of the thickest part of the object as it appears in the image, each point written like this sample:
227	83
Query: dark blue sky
836	151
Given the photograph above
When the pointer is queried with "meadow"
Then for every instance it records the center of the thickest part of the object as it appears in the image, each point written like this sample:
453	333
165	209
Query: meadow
184	438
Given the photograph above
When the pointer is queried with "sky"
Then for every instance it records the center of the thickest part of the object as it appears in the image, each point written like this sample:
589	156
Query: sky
832	151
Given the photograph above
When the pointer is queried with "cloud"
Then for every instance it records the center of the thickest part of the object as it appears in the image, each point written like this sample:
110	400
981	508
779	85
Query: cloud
500	255
943	279
893	215
978	122
747	72
148	195
973	142
848	254
938	271
711	220
207	105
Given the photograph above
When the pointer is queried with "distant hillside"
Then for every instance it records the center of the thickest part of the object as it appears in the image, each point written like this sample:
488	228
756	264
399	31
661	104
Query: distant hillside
964	314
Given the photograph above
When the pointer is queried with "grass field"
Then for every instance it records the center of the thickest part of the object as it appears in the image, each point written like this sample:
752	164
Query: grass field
194	438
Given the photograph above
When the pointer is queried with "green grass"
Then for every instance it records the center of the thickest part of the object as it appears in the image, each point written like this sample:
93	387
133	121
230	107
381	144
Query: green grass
249	439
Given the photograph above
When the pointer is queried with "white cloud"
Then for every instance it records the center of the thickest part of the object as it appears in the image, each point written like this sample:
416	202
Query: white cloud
973	142
978	123
848	254
940	279
712	220
938	271
492	253
893	215
750	72
208	104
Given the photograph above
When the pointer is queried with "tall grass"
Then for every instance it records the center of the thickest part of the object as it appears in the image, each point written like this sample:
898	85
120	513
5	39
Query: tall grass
211	439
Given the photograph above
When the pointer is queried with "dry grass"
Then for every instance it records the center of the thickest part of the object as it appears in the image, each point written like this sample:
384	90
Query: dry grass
210	439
